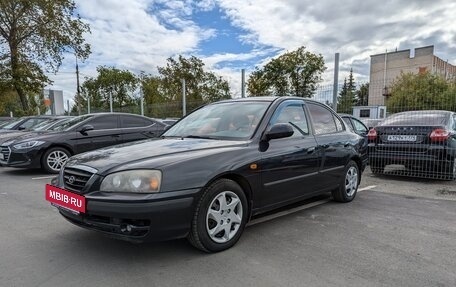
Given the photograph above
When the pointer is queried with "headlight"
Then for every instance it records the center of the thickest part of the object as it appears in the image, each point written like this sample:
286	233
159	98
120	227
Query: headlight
29	144
143	181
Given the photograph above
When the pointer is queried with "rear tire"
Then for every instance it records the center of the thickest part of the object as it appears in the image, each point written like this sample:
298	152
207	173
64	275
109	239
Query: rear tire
54	158
349	185
220	217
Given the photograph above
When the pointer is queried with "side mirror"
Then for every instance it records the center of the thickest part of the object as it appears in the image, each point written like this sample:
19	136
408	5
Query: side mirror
278	131
21	128
86	128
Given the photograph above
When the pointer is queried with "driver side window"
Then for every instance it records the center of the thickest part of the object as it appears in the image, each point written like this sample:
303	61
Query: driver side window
293	114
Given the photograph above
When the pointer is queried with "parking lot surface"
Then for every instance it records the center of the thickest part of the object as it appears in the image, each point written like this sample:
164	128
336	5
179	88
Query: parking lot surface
397	232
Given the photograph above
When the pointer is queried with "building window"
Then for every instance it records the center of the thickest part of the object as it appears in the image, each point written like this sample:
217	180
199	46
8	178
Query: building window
364	113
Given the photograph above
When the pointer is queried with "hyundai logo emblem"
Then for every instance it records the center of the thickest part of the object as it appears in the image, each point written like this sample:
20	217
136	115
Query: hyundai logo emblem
71	179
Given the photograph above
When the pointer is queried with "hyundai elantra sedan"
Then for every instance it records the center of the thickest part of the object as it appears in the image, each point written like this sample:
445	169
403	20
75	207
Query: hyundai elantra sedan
211	172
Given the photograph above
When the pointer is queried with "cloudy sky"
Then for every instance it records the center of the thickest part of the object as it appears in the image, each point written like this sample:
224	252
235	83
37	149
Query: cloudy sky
230	35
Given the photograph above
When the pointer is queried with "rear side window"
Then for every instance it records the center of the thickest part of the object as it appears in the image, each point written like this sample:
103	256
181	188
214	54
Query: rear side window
325	122
134	122
104	122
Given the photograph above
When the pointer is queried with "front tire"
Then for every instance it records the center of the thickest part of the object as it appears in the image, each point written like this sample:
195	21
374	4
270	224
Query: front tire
220	217
349	185
54	158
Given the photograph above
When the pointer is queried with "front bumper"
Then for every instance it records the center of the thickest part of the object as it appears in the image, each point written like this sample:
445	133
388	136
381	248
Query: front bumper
29	158
153	220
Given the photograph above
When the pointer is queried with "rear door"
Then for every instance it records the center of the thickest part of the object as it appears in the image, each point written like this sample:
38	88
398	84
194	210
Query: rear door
135	128
106	132
289	166
332	142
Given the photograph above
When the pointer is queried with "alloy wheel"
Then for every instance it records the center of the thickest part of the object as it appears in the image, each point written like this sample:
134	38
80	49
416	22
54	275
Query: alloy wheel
56	160
351	181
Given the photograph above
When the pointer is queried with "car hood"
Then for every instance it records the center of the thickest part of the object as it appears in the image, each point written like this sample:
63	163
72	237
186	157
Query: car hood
151	153
17	135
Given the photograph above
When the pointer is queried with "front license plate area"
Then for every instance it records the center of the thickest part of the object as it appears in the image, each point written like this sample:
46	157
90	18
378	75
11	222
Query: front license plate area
63	198
402	138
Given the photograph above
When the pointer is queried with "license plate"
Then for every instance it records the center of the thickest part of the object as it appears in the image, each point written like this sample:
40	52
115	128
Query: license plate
2	157
65	198
401	138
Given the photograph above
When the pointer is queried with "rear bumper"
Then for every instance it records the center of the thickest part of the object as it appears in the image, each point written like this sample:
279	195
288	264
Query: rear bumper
433	157
138	221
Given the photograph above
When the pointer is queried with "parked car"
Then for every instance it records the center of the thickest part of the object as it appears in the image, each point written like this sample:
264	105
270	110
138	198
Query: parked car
24	123
211	172
422	141
50	150
357	126
372	123
5	121
169	121
48	125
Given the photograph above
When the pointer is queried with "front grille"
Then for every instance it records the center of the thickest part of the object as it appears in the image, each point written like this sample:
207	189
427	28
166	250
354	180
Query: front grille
75	179
6	153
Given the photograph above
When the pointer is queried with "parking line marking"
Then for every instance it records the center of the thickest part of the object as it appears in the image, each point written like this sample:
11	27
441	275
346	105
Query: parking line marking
367	187
43	177
289	211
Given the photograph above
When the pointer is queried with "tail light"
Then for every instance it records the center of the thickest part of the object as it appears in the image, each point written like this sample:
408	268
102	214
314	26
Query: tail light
439	135
372	134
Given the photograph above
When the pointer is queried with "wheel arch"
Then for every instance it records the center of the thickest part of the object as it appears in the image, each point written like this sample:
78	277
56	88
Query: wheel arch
55	146
243	183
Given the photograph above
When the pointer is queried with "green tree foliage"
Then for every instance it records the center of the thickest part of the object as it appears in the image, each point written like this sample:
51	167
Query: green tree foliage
422	92
34	34
201	86
347	96
295	73
362	95
121	85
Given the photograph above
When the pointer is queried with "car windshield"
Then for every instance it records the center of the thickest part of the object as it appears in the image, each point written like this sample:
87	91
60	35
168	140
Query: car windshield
416	118
50	125
12	124
71	123
226	120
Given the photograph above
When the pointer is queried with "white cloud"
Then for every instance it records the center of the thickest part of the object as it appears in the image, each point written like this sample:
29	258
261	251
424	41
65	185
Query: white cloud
139	35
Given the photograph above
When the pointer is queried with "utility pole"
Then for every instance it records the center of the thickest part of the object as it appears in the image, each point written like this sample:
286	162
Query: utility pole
184	104
243	83
336	81
77	87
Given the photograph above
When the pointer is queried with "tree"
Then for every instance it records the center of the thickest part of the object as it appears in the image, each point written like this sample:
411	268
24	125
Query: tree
362	95
422	91
294	73
121	85
347	96
201	86
35	34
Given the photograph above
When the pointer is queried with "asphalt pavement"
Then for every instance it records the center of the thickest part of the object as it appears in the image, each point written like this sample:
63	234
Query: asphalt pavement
397	232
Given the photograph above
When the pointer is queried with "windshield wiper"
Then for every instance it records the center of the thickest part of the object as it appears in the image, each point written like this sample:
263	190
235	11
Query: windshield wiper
199	137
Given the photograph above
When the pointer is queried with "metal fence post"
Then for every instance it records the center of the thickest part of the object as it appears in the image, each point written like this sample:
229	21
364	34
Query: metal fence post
336	81
184	108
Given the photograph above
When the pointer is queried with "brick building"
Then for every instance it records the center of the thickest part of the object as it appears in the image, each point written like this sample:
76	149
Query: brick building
386	67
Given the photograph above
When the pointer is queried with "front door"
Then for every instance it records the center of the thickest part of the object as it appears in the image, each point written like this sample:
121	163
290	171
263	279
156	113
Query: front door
289	166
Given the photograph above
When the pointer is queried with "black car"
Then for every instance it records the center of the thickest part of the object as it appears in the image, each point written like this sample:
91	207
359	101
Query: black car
24	123
5	120
50	150
211	172
424	142
357	126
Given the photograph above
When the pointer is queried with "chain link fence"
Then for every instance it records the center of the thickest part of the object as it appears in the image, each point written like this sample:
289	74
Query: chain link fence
411	123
